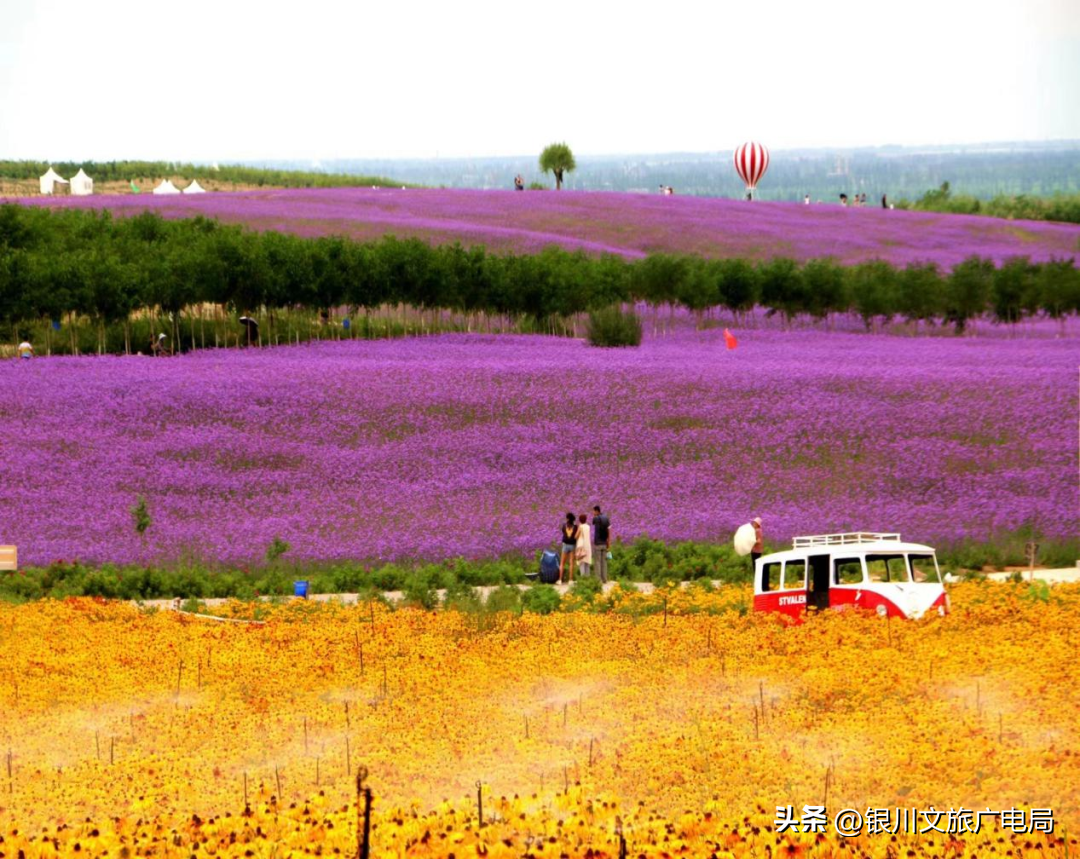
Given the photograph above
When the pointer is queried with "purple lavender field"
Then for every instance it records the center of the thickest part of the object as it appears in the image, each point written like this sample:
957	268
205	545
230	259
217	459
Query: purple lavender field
476	445
631	225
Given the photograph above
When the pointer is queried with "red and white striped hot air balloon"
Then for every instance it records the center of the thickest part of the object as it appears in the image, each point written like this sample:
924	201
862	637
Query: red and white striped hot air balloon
751	162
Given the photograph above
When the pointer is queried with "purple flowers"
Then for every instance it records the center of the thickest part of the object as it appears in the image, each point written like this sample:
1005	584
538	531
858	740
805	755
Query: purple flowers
627	224
473	445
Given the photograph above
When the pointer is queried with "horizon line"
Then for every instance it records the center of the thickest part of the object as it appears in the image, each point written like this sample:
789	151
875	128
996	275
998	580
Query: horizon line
1064	143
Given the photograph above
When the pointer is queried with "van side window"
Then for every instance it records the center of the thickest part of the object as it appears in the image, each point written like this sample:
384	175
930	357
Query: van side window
770	577
886	568
795	575
847	571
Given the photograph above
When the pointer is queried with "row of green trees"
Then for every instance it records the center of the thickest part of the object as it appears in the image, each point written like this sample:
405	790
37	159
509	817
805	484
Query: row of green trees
57	263
1060	207
122	171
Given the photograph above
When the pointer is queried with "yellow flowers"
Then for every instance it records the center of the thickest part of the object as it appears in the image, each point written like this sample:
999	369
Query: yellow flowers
134	734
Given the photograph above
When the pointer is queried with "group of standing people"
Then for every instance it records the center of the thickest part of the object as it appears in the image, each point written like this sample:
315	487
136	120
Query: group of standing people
584	544
856	200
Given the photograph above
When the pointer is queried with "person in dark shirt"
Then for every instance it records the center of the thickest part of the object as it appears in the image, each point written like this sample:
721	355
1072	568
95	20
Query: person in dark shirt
755	553
601	533
569	535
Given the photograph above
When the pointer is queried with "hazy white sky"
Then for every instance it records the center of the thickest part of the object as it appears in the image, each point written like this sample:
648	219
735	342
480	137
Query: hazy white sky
228	80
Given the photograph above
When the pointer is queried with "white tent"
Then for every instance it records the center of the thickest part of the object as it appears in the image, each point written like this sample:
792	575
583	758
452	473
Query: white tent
50	180
81	184
194	188
166	187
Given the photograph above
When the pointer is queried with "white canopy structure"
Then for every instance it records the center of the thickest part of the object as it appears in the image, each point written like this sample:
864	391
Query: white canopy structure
194	188
50	180
81	184
166	187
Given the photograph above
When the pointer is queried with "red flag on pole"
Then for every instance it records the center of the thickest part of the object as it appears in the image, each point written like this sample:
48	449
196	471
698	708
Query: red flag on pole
730	340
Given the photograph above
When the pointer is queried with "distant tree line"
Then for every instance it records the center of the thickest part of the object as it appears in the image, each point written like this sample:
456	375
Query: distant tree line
122	171
1034	170
1060	207
60	262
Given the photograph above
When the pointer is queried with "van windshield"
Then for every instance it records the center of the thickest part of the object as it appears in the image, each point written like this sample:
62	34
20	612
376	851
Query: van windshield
924	569
887	568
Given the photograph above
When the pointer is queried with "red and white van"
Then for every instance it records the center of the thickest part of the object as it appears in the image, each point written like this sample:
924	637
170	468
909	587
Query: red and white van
864	569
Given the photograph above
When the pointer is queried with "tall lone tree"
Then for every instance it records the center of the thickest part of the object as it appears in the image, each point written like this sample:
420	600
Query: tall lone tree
557	158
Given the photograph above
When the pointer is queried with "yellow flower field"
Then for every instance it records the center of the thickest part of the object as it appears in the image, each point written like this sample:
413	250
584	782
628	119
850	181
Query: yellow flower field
130	733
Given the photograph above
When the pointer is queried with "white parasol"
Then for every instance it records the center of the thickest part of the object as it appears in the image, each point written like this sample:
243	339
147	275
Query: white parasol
745	538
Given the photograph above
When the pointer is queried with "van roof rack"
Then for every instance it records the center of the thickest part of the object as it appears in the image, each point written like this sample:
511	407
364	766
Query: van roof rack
846	538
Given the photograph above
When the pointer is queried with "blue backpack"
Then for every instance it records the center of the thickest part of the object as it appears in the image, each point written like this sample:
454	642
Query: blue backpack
549	567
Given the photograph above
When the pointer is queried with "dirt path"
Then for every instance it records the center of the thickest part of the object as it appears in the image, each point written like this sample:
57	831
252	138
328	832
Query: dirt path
395	596
1064	575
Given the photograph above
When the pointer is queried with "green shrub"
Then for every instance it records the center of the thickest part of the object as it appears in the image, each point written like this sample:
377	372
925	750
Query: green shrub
657	567
613	326
504	598
541	599
419	589
140	515
389	578
703	585
276	549
97	584
345	578
193	583
138	583
586	589
1037	592
462	597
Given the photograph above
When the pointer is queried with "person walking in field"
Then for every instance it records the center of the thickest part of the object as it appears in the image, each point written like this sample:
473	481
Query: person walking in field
569	535
583	552
755	553
601	534
26	351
